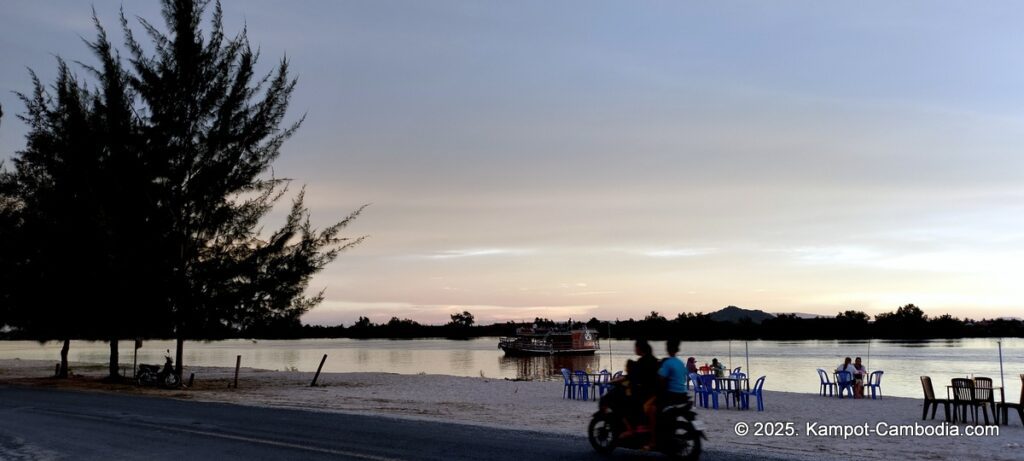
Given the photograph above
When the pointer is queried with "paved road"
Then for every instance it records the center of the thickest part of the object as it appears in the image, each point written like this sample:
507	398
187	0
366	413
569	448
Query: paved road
44	424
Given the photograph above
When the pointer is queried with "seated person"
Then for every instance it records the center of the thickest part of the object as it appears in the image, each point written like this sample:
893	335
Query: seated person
717	368
847	366
858	378
691	365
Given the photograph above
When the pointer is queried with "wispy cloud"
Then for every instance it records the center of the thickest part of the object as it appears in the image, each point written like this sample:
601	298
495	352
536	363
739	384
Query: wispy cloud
476	252
678	252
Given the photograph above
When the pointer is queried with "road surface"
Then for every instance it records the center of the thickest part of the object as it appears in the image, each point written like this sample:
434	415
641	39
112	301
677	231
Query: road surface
45	424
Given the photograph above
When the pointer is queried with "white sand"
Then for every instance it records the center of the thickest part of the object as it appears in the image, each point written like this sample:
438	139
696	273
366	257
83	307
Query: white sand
539	406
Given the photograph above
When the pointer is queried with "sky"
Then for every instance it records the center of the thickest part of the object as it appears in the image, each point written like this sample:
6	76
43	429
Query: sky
578	159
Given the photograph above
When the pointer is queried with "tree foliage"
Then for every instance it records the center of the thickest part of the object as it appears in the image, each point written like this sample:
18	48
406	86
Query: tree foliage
462	319
142	195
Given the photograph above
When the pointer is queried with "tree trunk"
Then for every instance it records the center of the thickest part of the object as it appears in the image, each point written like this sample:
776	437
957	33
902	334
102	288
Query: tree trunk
114	361
63	372
178	351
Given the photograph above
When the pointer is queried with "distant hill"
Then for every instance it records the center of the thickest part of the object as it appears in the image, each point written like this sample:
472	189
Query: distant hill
735	314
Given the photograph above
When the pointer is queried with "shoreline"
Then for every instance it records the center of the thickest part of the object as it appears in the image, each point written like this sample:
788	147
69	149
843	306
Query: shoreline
538	406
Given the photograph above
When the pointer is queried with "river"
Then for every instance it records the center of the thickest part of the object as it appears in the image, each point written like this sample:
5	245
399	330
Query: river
787	365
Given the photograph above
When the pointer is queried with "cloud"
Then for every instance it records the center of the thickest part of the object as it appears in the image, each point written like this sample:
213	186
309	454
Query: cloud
678	252
470	253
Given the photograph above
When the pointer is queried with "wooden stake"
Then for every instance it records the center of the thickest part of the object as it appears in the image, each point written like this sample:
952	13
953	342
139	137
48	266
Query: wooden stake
317	375
238	363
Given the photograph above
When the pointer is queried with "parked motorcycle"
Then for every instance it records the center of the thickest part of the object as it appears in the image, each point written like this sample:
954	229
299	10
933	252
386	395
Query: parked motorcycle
153	375
679	432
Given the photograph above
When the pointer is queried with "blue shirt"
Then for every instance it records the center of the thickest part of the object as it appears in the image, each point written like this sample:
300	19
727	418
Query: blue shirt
674	371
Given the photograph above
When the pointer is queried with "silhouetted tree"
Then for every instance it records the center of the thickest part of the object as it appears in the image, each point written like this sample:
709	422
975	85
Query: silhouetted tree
655	317
81	239
215	129
854	316
462	319
908	321
154	184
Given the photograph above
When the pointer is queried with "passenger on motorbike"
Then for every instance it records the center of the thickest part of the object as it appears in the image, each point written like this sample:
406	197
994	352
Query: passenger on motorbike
671	386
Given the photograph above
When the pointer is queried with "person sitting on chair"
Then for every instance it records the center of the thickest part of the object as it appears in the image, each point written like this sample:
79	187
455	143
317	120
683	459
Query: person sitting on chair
858	378
717	368
691	365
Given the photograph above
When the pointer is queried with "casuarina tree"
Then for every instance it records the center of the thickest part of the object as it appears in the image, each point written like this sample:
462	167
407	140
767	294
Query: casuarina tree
185	133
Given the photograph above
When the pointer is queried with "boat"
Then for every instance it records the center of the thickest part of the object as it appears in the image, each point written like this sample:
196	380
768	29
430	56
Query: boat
551	341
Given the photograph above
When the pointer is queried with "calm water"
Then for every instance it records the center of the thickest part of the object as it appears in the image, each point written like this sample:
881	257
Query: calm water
788	365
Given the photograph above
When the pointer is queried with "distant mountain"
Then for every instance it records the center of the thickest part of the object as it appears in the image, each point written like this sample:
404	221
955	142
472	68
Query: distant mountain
735	314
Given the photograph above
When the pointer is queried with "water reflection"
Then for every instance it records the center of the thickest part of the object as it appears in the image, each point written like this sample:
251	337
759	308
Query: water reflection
461	360
546	367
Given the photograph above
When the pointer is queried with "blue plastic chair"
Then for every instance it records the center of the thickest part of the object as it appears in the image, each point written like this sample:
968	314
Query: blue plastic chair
603	383
569	390
844	380
582	385
705	395
738	375
757	392
708	381
826	384
875	383
735	370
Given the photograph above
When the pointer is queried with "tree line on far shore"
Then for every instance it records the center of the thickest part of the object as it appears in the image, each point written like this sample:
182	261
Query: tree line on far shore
136	208
906	322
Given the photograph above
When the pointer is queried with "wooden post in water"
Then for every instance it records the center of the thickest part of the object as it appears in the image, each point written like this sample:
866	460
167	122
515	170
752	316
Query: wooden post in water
317	375
238	364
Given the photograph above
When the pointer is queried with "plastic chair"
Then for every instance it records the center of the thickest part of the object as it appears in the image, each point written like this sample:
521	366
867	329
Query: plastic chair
963	397
984	395
582	385
569	389
757	392
705	370
603	383
930	400
736	370
705	395
875	383
825	383
844	380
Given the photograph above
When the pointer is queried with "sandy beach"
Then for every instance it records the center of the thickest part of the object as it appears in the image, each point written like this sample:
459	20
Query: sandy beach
532	405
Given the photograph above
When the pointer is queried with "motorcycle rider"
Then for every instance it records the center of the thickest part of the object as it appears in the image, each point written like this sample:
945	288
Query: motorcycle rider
672	384
645	383
673	376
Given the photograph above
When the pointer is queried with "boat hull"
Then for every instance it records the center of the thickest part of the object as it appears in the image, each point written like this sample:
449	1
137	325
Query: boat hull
515	351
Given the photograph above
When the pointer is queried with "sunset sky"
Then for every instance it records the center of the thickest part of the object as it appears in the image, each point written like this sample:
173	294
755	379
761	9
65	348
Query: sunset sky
579	159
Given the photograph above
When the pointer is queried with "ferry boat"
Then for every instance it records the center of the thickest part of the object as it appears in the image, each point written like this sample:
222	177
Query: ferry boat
550	341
